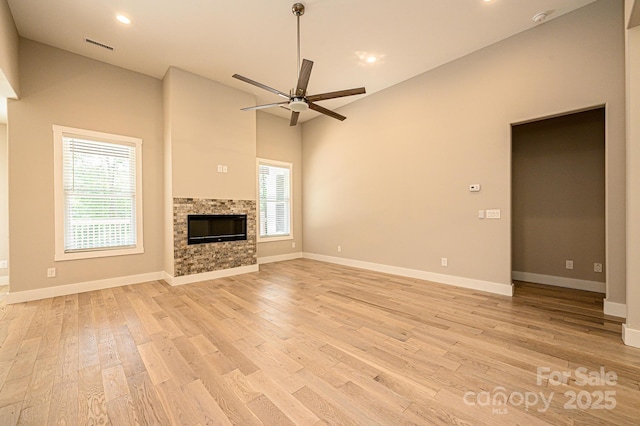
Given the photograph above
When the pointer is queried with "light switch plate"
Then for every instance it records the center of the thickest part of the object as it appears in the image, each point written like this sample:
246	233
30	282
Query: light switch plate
493	214
474	187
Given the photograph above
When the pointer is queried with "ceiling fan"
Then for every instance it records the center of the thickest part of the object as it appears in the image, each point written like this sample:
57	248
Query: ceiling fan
298	100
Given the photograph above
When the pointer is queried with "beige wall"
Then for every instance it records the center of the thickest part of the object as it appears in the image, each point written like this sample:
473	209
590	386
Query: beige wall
276	140
207	128
4	199
61	88
390	184
558	195
633	175
9	82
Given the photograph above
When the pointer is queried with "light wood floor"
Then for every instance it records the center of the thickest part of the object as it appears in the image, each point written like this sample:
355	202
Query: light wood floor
305	342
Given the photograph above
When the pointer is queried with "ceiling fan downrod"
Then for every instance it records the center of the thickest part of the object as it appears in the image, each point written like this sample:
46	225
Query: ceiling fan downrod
298	11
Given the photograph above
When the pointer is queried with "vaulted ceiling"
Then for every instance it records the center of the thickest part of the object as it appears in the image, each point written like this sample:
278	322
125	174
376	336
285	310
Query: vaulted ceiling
257	38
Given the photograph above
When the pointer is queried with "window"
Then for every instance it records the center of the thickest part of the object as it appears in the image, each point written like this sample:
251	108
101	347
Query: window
98	194
274	200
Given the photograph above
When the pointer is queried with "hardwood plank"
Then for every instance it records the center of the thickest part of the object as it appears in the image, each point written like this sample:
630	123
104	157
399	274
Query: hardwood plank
267	412
91	400
286	402
64	403
158	371
41	384
204	345
13	391
107	348
9	414
206	407
323	409
25	359
179	369
34	415
179	410
128	351
121	411
114	383
235	410
239	385
87	341
149	409
68	360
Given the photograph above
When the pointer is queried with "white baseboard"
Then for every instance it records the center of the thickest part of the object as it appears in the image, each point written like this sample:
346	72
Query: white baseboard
279	258
630	336
573	283
615	309
4	280
64	290
491	287
205	276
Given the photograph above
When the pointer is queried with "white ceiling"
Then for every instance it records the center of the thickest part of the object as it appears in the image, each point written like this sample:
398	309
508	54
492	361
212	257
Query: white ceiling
257	38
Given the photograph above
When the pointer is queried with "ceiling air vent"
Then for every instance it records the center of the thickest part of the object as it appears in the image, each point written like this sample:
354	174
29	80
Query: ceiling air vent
97	43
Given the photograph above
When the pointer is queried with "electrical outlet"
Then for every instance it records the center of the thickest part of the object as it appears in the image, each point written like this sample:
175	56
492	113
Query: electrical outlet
569	264
597	267
293	244
339	249
480	214
51	273
219	168
444	261
3	264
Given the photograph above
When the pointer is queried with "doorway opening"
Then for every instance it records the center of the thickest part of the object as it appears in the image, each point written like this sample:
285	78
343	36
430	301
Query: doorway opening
558	201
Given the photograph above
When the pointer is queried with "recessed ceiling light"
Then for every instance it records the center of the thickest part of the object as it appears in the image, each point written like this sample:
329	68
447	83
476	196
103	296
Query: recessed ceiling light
123	19
369	58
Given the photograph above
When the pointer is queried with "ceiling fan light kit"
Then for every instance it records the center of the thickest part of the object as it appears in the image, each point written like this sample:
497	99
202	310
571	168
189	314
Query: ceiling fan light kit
298	105
297	99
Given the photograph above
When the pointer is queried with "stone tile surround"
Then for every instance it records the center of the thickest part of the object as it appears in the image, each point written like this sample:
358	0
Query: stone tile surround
199	258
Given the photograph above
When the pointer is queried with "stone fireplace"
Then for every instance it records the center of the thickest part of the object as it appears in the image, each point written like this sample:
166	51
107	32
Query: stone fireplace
209	257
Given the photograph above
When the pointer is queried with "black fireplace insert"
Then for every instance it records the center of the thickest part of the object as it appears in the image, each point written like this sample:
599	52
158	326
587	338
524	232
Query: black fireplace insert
216	228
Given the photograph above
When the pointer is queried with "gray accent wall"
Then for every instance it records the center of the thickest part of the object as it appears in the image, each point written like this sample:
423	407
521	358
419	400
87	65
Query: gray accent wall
558	199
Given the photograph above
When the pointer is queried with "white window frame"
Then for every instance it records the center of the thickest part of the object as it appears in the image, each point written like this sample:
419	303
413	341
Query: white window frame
58	133
282	164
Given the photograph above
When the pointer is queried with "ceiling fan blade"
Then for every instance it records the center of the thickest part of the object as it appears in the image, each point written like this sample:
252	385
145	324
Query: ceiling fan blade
260	85
264	106
294	118
303	79
325	111
338	94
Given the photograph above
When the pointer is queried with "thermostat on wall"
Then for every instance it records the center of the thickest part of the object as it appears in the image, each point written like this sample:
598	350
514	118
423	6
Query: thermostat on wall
475	187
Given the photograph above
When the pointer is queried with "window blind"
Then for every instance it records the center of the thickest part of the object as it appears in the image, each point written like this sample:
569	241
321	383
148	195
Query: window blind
99	180
275	200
